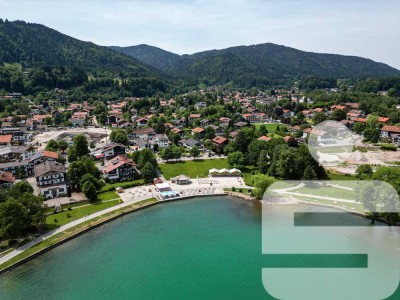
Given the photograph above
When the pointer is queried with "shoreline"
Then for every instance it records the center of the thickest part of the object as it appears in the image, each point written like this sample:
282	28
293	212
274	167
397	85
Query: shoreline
103	220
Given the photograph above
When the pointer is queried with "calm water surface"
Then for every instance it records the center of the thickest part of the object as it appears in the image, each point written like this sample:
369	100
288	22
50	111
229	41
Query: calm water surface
206	248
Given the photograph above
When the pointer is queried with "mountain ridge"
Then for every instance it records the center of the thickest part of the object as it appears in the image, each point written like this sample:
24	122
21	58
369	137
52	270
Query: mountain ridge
265	62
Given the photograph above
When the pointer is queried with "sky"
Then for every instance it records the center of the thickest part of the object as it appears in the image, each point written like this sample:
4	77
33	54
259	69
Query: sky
366	28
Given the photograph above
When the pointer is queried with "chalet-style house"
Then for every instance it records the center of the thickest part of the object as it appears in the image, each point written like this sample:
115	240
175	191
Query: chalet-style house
51	179
109	151
199	131
392	133
16	153
190	143
42	156
220	140
142	134
78	119
6	178
18	133
5	140
120	168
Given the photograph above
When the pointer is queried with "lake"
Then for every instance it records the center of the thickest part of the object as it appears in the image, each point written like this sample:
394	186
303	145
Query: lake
204	248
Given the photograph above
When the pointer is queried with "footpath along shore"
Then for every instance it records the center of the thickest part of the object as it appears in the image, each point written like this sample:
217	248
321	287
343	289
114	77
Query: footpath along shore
75	228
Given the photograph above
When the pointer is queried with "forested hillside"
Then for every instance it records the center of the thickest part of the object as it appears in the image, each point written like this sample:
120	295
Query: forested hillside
261	65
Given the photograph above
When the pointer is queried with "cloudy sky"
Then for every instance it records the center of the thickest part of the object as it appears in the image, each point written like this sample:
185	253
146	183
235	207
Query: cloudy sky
367	28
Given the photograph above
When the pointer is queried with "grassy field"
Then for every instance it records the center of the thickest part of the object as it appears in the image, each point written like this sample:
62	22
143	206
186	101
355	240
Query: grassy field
124	184
62	218
108	196
192	168
270	127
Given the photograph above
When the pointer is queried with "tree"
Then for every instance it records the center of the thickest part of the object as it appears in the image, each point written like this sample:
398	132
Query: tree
52	145
261	182
209	133
372	121
263	162
81	145
72	156
262	130
148	172
372	135
79	168
90	191
309	173
62	145
144	157
318	118
90	178
194	151
119	136
102	118
159	127
364	171
236	159
254	150
358	127
339	115
12	219
57	120
20	188
243	139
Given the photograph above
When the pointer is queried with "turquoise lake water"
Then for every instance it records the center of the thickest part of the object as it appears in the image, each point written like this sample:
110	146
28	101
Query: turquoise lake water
205	248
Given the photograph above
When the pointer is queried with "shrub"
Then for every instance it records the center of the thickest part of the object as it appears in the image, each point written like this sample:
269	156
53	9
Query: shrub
388	147
68	215
233	189
69	208
240	190
55	220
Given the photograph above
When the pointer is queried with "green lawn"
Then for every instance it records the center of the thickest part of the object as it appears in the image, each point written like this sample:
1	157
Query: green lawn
270	127
192	168
108	195
77	213
246	172
124	184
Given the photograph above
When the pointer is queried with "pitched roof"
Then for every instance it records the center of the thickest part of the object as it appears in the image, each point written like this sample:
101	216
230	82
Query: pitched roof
118	162
387	128
197	130
48	166
50	154
6	138
264	138
7	177
219	140
194	116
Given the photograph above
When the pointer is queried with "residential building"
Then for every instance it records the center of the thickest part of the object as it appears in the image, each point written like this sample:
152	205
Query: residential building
120	168
51	179
6	178
109	151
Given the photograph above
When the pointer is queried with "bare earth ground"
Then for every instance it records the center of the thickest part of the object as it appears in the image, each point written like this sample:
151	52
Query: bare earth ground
97	135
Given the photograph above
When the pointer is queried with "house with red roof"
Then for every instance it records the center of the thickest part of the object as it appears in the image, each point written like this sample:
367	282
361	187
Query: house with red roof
6	178
392	133
5	140
120	168
264	138
220	140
